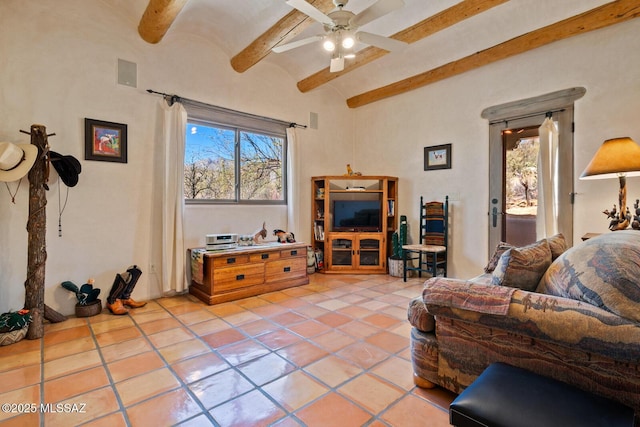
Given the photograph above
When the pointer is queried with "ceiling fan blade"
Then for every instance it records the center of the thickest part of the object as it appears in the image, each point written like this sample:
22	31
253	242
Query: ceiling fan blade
337	64
288	46
310	11
375	11
382	42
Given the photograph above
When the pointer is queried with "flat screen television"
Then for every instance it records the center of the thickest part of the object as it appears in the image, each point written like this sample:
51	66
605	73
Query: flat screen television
357	215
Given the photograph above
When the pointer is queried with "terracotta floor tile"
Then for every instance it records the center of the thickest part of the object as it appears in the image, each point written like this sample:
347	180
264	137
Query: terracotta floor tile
63	335
185	308
334	340
68	348
22	346
270	310
209	326
252	302
275	296
266	368
112	337
334	319
159	325
19	360
125	349
302	353
220	387
70	364
65	387
397	414
135	365
243	351
355	311
222	338
397	371
363	355
251	410
278	339
437	396
333	410
30	394
183	350
295	390
150	316
241	318
201	420
142	387
288	318
371	392
389	342
169	337
166	409
95	404
30	419
358	329
333	371
381	320
258	327
311	311
115	419
199	367
309	328
225	309
116	322
19	377
333	304
196	317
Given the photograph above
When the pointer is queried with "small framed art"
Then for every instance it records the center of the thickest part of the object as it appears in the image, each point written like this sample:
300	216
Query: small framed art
437	157
105	141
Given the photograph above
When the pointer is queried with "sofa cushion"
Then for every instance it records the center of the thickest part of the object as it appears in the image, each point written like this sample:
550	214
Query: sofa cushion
501	248
523	267
419	317
603	271
557	244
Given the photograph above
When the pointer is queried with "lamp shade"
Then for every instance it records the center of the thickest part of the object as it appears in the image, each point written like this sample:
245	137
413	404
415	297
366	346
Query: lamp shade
615	157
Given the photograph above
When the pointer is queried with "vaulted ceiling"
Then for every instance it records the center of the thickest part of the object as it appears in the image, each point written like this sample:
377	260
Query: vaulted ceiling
446	37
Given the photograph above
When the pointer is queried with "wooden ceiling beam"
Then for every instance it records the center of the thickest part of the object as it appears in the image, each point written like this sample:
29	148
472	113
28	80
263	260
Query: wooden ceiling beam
157	19
444	19
603	16
284	30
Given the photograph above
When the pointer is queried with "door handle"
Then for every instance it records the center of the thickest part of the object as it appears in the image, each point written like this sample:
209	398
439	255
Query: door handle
495	216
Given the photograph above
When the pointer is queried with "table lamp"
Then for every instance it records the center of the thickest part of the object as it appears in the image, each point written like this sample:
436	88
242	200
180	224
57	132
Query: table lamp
617	157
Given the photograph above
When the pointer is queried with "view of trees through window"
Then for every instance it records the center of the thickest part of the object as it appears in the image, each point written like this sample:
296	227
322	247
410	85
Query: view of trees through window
230	164
521	176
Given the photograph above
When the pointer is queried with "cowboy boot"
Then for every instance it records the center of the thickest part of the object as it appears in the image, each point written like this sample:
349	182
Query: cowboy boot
117	307
134	274
117	289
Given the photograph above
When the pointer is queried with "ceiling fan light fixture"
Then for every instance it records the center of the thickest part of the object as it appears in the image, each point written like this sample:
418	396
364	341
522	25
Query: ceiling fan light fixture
348	42
329	45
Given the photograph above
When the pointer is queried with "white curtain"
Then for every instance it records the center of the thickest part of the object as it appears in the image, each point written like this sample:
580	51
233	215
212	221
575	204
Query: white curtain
292	181
547	215
173	250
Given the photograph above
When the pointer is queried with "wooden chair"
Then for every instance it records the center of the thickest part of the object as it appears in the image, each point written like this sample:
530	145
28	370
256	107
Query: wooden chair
431	253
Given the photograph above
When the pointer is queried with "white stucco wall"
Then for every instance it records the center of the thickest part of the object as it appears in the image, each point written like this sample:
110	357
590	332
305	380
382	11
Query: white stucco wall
58	62
605	62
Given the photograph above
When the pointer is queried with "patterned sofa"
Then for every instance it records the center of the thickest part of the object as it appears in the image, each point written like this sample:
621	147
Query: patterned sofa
572	315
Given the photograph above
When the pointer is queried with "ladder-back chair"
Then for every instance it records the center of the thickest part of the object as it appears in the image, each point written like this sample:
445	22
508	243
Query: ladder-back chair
431	253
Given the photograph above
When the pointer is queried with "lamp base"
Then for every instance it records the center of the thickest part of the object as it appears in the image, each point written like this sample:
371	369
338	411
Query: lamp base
620	219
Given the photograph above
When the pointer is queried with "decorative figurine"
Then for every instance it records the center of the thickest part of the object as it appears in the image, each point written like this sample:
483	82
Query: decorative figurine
284	237
635	224
260	233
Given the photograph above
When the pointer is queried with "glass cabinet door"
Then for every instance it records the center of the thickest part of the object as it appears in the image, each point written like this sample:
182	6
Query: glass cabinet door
342	251
369	251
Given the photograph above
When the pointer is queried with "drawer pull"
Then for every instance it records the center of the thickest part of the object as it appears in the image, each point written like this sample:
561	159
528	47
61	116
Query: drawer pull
265	256
287	269
294	253
231	260
240	277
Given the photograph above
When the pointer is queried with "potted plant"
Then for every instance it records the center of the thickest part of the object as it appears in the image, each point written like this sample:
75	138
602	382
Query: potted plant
88	302
398	239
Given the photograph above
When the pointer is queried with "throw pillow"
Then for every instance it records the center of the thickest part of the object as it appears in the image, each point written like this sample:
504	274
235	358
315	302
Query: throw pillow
557	244
602	271
501	248
523	267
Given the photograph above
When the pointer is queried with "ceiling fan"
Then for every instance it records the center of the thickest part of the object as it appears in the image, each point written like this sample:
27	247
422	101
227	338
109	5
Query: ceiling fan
341	29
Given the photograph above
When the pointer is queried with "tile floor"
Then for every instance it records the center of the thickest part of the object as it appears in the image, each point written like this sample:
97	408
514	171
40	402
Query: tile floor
331	353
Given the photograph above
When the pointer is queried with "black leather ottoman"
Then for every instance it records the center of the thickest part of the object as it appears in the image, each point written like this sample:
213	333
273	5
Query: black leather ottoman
506	396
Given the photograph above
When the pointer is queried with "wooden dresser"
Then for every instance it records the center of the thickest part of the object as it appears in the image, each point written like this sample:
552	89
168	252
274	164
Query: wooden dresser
227	275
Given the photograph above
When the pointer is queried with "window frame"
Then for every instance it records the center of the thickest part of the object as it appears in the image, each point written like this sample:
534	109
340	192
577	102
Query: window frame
206	115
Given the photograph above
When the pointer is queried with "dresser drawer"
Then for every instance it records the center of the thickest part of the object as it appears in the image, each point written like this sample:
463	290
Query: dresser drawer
230	260
264	256
225	279
286	269
288	253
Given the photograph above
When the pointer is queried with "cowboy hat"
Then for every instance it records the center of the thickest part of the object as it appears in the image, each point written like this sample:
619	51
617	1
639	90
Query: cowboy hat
16	160
68	167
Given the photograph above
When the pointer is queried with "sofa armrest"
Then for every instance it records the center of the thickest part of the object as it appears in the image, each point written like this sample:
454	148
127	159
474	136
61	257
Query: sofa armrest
563	321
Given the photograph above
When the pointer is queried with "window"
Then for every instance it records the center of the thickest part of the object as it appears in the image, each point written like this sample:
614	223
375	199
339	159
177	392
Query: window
239	161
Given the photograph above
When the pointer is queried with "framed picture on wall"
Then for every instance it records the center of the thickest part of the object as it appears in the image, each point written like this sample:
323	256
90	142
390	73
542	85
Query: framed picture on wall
437	157
105	141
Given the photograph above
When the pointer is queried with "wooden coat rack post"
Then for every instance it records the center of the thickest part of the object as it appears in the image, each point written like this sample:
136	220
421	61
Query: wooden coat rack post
37	229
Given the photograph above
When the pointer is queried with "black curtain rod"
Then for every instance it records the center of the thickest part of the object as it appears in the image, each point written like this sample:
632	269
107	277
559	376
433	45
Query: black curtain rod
171	99
548	114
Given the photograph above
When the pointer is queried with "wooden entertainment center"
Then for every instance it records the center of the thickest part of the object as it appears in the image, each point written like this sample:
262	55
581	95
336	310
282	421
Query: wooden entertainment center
358	239
227	275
